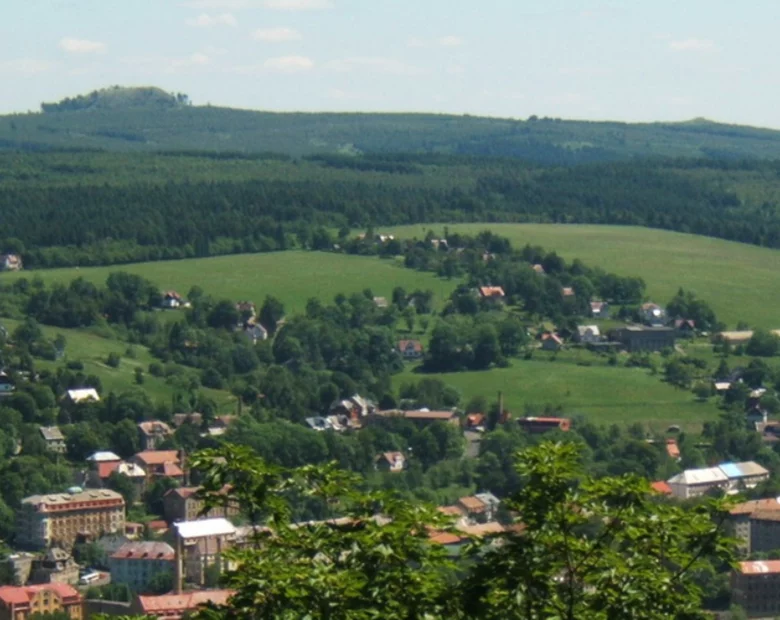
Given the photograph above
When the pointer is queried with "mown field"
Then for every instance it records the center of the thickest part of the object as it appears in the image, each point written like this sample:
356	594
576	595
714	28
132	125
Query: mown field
293	277
604	394
92	349
740	281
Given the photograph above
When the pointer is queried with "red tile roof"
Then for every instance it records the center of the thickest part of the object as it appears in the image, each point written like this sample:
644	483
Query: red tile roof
13	595
472	504
403	345
183	492
171	470
168	604
147	550
475	419
157	457
444	538
748	508
452	511
106	468
661	487
491	291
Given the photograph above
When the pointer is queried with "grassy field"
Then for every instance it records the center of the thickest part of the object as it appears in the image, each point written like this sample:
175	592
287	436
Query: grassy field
740	281
293	277
603	394
92	350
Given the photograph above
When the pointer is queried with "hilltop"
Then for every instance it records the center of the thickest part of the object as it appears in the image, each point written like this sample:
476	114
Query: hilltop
150	119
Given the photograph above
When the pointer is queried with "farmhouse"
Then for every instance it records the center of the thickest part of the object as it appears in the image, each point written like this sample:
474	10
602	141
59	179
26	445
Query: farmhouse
551	342
494	293
644	338
55	440
10	262
82	395
172	300
393	462
588	334
652	314
686	328
410	349
599	309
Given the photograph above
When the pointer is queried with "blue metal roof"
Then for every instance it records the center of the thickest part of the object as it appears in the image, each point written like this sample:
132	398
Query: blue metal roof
732	470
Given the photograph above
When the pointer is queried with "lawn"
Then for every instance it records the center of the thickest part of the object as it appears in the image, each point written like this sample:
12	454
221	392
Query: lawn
293	276
604	394
92	349
740	281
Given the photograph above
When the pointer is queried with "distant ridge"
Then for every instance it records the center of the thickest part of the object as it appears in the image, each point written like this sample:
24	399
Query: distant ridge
152	119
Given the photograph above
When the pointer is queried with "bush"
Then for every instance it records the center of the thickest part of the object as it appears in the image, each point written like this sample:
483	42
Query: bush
75	365
113	360
156	369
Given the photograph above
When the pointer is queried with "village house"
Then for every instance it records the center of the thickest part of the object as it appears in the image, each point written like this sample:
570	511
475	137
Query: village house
685	328
588	334
24	602
55	440
480	508
380	302
637	338
136	563
491	293
153	433
567	291
394	462
475	421
756	525
160	464
246	311
410	349
652	314
536	425
177	606
538	268
172	300
54	566
755	587
599	309
82	395
672	449
10	262
183	504
254	332
661	487
551	342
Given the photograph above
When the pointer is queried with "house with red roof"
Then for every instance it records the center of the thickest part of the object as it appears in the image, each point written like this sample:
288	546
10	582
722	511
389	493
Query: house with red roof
410	349
161	464
21	603
176	606
551	341
662	487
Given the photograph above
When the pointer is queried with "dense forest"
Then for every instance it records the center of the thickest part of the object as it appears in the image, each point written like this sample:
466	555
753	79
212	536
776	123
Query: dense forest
60	209
149	119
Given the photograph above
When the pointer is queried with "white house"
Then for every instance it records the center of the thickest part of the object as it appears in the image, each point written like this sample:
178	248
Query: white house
695	482
83	395
652	314
588	334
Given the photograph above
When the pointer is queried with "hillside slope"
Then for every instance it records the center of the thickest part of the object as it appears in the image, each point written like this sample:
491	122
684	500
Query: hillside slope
149	119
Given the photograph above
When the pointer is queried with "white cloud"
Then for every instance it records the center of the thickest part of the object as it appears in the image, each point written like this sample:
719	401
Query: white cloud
449	41
204	20
373	63
289	64
276	35
25	66
82	46
692	45
275	5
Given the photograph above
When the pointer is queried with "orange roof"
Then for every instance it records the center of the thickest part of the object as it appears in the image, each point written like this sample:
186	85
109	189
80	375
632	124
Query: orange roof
158	524
147	550
491	291
472	503
553	337
672	449
475	419
106	468
171	470
13	595
172	603
661	487
183	492
158	457
759	568
567	291
482	529
404	344
748	508
428	415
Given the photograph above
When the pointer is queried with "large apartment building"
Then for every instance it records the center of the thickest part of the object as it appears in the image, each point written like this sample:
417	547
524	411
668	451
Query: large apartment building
61	518
755	586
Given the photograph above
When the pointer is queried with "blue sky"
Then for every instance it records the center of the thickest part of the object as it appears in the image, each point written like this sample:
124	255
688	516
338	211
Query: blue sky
589	59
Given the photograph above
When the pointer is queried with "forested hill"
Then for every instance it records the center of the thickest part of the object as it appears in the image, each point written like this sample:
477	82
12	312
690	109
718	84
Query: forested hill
149	119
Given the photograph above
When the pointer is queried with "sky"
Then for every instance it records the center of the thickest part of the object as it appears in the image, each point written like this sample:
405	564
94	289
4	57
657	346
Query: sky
665	60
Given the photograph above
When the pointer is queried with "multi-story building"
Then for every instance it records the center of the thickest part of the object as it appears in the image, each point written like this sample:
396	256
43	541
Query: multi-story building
21	603
755	586
153	433
61	518
644	338
136	563
729	477
183	504
177	606
756	525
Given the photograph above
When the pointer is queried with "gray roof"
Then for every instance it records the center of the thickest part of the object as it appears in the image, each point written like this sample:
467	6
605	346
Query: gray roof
52	433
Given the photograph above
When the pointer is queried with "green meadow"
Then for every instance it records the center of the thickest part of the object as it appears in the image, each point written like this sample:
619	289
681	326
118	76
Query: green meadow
293	277
740	281
603	394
